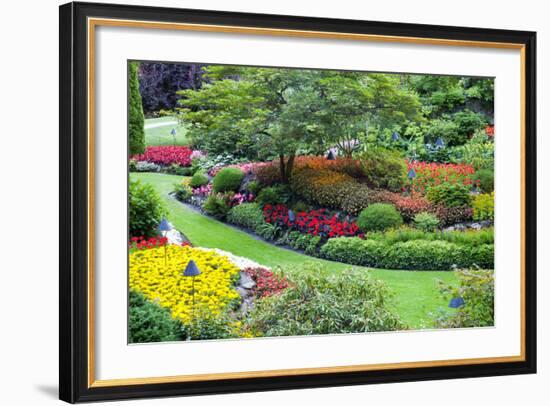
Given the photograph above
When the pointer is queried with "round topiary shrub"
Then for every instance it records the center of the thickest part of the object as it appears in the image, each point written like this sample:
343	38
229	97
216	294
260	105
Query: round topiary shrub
426	221
146	209
199	179
228	180
378	217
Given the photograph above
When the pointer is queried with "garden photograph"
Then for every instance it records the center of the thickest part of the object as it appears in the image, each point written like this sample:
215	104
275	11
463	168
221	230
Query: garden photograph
278	202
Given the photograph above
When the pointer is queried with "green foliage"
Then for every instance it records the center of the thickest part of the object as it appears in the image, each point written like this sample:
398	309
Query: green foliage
136	120
426	221
254	187
149	323
484	206
356	198
198	179
247	215
321	303
300	241
207	326
402	234
216	206
228	180
146	209
379	216
268	231
477	288
355	251
300	206
468	123
414	254
268	175
183	192
486	179
278	194
479	152
384	169
449	194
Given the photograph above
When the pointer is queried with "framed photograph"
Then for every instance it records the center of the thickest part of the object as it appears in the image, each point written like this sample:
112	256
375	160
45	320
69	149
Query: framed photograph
258	202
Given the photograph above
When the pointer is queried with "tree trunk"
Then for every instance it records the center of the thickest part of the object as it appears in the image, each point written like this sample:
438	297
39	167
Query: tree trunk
286	167
282	167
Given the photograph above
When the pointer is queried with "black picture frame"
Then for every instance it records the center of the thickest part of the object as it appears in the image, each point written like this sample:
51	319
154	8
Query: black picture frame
74	385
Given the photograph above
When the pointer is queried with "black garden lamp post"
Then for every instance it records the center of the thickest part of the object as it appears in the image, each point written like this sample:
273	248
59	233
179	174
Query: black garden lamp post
173	134
395	136
163	228
192	270
291	216
456	302
439	142
330	156
411	175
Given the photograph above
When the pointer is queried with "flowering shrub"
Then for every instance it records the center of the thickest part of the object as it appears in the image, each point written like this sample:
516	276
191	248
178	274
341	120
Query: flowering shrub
267	282
348	166
408	206
142	242
268	174
165	284
484	206
203	191
433	174
240	198
452	215
247	167
490	130
315	222
166	155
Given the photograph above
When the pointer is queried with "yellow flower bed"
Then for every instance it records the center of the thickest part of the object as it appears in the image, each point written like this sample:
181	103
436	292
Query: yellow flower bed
167	286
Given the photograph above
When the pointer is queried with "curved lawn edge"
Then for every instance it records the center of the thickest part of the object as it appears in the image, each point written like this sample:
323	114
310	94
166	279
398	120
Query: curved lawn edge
416	292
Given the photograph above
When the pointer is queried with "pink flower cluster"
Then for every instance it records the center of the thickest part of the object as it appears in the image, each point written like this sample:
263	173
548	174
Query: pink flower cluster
241	198
248	167
166	155
203	191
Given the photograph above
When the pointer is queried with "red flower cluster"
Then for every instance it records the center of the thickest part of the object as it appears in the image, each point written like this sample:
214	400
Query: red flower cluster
166	155
433	173
490	130
142	243
315	222
267	283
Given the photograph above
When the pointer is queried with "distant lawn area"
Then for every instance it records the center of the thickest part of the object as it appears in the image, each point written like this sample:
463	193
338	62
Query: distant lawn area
416	292
157	132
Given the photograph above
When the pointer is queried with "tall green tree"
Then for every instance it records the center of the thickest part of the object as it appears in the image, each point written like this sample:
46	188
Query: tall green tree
136	120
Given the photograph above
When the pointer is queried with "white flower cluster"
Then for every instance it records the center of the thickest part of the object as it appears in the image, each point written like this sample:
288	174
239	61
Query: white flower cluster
239	262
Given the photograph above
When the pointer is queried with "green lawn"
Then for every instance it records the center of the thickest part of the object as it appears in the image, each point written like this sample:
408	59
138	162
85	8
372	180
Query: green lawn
159	129
416	291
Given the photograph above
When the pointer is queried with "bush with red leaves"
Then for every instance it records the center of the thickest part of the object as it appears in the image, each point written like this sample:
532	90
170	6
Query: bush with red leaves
267	282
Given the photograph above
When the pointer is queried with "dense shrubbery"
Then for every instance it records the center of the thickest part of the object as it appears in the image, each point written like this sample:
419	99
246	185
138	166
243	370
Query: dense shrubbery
484	206
198	179
408	206
325	188
414	254
278	194
146	209
216	206
268	175
384	169
379	216
149	323
321	303
477	289
227	180
426	221
452	215
183	192
268	283
433	174
449	194
485	178
247	215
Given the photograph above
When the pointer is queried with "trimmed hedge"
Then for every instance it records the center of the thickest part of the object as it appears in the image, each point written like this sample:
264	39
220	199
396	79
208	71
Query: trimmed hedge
228	180
198	179
412	255
247	215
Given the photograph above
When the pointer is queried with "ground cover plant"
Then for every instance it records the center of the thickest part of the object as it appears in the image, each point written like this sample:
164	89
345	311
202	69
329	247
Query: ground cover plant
294	190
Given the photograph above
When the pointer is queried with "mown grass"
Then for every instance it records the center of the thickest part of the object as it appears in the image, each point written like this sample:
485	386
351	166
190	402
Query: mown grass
161	135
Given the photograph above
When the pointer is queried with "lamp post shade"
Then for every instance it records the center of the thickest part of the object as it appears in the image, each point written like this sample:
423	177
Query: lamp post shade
164	226
395	136
330	156
173	132
456	302
191	269
439	142
291	216
412	174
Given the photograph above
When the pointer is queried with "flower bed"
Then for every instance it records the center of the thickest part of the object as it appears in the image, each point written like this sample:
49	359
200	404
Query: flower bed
166	285
315	222
267	282
166	155
432	174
